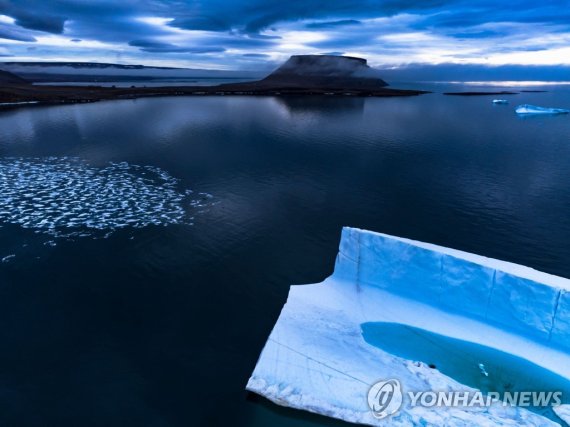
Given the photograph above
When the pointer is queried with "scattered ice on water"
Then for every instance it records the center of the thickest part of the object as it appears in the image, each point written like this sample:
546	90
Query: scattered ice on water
66	197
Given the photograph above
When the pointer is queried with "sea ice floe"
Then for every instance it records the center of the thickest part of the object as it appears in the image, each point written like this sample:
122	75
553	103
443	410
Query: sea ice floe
68	197
500	101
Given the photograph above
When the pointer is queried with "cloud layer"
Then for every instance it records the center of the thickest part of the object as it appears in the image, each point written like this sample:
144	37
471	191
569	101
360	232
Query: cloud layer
248	34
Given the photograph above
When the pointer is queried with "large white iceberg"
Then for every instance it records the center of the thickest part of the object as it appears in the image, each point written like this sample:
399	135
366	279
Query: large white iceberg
317	359
533	109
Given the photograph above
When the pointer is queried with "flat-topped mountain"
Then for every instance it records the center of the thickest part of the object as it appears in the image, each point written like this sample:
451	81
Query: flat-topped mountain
9	79
325	71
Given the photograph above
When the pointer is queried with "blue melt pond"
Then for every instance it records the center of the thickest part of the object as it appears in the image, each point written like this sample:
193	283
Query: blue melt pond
474	365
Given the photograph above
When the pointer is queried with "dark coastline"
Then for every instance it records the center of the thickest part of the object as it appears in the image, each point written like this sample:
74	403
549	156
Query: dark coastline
300	75
42	95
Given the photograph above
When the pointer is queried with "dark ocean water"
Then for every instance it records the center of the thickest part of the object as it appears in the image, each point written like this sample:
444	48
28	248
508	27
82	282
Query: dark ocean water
148	305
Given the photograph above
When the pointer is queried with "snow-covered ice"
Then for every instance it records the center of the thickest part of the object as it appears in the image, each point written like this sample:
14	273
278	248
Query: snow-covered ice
500	101
563	411
533	109
316	358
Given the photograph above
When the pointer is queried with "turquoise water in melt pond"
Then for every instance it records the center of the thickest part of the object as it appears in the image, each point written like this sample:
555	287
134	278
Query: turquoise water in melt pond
478	366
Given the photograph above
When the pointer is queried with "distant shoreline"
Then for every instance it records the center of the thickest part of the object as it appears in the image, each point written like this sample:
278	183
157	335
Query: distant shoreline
31	95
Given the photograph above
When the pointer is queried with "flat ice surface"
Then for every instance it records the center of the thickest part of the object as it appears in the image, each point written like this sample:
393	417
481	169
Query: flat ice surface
533	109
316	358
500	101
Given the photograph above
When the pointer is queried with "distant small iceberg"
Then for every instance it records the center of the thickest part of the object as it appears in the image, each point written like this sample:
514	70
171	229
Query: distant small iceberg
500	101
533	109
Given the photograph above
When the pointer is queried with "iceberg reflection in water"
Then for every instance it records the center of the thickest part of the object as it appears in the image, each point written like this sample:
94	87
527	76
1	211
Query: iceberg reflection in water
68	197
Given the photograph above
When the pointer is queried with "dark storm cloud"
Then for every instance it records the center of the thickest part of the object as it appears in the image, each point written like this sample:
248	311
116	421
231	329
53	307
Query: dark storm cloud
264	36
157	47
102	20
460	14
15	34
48	24
33	18
149	44
255	15
255	55
252	16
476	34
333	24
204	23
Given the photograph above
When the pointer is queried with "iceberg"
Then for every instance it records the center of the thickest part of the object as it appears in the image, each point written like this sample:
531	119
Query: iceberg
500	101
533	109
329	348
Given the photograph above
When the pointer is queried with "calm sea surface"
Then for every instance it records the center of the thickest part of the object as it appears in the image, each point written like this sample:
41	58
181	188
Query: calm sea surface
148	245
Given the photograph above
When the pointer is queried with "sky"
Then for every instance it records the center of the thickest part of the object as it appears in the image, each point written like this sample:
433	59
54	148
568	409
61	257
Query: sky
253	34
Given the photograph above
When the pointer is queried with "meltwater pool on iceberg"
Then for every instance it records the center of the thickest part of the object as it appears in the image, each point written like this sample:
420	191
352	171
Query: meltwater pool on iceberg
430	317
